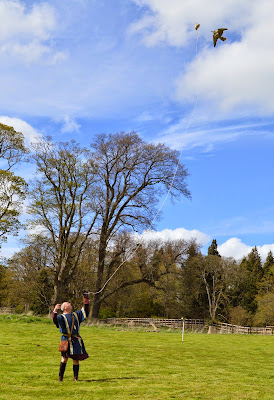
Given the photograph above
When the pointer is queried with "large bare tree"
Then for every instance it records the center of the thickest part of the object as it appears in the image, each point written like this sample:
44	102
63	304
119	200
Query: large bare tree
61	199
133	176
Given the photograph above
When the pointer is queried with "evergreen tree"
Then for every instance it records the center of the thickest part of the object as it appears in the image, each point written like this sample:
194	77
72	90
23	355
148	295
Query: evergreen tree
252	272
266	285
213	249
269	263
254	264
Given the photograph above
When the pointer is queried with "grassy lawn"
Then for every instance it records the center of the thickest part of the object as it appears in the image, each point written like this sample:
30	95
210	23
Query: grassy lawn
134	364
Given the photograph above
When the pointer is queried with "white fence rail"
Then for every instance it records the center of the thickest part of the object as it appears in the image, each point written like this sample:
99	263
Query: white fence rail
229	328
192	324
158	322
6	310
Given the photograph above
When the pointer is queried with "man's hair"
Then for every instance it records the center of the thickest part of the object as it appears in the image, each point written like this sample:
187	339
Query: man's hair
64	305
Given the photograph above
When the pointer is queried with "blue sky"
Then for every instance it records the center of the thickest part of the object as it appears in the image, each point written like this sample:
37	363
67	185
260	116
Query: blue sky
74	68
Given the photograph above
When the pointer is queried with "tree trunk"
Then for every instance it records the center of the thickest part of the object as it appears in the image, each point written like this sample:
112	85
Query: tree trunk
59	292
56	298
100	271
96	306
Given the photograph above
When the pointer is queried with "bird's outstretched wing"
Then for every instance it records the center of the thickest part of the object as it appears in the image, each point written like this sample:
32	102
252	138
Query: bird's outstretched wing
215	38
221	31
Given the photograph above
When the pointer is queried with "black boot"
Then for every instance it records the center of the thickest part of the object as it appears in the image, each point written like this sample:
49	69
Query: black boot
62	371
75	371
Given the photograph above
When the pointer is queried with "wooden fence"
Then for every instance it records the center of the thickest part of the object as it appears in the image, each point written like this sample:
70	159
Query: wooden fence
6	310
229	328
195	325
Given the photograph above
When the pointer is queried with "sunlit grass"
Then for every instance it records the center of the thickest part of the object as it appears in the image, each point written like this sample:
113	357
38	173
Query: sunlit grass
134	364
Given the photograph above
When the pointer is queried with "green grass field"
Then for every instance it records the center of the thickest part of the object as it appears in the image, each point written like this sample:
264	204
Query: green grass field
134	364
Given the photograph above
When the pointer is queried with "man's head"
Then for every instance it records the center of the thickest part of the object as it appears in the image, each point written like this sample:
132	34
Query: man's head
66	307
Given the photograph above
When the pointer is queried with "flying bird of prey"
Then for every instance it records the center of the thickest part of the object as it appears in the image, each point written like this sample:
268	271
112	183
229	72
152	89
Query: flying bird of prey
197	26
218	34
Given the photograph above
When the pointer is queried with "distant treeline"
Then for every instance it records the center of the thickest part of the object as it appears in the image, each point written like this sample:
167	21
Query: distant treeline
169	280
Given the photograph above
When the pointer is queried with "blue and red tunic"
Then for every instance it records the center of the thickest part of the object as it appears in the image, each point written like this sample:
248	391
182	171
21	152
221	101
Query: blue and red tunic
76	349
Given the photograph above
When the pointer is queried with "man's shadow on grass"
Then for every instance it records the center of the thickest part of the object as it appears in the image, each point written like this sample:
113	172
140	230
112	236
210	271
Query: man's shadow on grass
110	379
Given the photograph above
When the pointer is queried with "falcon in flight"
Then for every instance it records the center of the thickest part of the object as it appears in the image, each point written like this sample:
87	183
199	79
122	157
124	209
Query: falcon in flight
218	34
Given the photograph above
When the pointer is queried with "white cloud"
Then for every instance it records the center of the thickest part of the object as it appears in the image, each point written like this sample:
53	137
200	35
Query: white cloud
98	60
31	135
198	135
176	136
235	248
26	32
173	22
32	52
37	230
70	125
237	74
8	252
176	234
265	249
19	20
145	117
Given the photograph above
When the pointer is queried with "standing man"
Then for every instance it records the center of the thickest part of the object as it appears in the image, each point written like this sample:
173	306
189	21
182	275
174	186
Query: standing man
76	348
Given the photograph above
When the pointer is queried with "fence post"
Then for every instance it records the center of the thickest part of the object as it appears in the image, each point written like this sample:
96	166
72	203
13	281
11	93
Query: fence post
183	328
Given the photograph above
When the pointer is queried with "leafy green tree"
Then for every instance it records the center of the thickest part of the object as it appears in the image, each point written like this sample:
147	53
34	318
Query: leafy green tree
214	279
42	292
265	310
265	298
213	275
153	265
26	286
12	147
266	284
238	284
192	297
7	285
2	284
167	260
12	187
239	316
12	193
